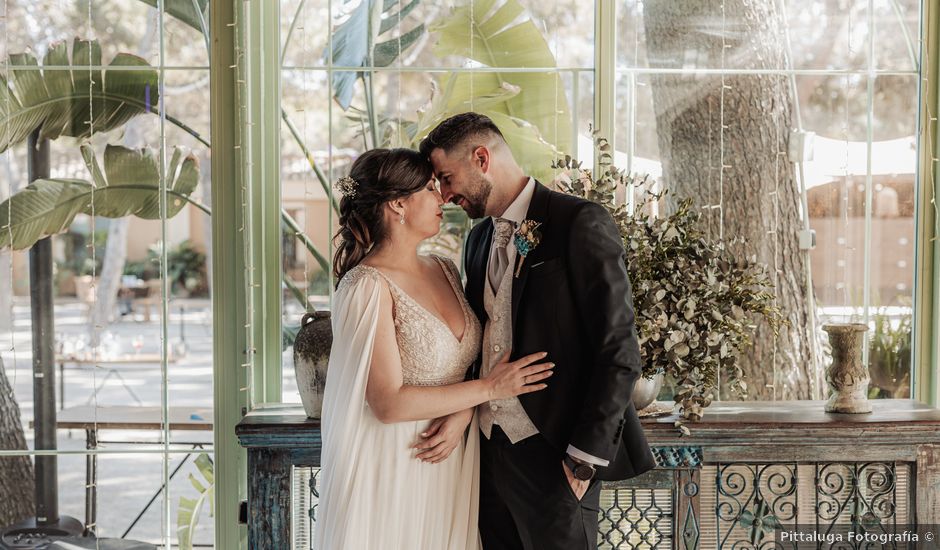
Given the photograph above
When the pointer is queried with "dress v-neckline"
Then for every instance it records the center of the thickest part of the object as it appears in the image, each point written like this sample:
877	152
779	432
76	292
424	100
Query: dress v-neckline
453	289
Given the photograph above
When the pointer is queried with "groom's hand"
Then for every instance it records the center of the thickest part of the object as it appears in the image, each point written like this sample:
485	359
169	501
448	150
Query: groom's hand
578	487
443	436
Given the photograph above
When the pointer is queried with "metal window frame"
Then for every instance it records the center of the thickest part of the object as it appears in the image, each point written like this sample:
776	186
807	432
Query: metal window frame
926	337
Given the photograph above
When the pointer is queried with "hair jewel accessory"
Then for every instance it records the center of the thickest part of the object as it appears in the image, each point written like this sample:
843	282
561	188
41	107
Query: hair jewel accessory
347	186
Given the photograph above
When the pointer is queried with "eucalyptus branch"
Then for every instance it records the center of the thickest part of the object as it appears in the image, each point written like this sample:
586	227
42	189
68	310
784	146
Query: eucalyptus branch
697	303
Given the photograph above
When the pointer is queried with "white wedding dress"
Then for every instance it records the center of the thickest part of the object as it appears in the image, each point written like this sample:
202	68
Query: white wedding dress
374	495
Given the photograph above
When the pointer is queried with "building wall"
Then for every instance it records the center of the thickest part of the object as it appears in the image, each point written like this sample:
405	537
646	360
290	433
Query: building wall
838	261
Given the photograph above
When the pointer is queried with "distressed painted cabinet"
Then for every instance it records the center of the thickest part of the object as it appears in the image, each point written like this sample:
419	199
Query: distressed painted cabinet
746	466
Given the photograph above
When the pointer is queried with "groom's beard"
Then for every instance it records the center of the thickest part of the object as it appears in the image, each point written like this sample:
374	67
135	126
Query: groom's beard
474	202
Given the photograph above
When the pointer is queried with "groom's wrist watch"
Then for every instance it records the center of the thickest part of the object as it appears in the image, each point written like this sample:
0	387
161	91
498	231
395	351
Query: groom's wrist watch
580	470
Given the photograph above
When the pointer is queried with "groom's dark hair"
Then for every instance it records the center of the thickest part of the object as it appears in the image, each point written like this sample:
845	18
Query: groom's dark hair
457	131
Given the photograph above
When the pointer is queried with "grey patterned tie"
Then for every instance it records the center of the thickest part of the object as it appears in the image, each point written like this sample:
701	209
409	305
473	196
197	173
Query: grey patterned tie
504	229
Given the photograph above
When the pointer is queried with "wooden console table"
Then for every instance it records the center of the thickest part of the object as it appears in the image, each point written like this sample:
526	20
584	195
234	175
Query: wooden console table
743	463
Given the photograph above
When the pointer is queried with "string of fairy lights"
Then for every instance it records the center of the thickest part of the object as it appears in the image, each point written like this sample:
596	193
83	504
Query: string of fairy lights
242	151
96	329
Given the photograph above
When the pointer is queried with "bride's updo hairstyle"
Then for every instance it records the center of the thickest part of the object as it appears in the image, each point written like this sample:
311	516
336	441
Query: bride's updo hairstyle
376	177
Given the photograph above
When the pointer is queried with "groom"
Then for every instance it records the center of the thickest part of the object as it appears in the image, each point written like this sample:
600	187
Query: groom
543	454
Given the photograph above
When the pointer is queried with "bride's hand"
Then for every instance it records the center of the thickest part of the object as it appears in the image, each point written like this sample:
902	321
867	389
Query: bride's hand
443	436
509	379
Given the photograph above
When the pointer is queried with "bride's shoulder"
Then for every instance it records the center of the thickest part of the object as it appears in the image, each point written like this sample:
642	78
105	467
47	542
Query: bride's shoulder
432	258
358	275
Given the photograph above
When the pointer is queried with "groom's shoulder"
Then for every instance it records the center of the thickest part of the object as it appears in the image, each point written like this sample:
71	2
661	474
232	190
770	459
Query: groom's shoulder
566	205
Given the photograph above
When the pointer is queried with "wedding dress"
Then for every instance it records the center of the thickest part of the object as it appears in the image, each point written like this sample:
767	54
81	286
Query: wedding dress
374	495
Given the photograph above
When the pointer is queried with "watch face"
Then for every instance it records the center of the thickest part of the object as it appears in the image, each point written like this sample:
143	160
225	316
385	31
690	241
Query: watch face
584	472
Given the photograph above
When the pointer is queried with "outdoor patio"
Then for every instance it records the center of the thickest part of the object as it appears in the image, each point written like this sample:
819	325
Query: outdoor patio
126	482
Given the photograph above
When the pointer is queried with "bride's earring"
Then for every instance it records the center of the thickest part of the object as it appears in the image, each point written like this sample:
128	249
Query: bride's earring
402	219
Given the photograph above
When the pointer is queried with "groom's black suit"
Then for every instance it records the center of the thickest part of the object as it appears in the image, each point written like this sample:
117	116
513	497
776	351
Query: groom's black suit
572	299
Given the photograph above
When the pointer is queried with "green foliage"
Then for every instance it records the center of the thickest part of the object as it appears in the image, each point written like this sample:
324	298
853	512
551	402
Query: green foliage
72	102
889	356
128	185
194	13
696	299
502	36
319	284
143	270
530	108
78	256
187	514
185	266
356	43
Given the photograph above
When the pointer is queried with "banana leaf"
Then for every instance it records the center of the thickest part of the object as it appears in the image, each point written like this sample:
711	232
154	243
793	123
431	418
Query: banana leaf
353	38
73	102
499	36
128	185
187	514
194	13
530	149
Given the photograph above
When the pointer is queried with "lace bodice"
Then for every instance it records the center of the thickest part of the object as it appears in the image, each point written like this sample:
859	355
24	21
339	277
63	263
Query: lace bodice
430	353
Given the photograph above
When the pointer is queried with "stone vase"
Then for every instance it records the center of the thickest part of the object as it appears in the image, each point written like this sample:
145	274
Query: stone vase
847	376
311	357
646	390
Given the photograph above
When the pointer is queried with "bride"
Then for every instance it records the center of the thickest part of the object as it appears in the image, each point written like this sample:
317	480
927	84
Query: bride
393	477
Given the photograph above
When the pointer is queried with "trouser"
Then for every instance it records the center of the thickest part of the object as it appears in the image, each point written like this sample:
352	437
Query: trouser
526	502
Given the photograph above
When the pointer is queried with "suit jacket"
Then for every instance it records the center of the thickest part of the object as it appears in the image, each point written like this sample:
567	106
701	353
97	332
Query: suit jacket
572	299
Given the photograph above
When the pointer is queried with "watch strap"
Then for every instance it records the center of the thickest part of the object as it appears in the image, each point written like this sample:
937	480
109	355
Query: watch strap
580	470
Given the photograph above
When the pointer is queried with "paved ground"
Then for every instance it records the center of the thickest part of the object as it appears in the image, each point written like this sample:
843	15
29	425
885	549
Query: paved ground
127	481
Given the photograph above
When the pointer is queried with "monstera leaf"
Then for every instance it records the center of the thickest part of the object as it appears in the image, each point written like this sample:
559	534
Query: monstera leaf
369	21
496	34
72	102
129	185
530	149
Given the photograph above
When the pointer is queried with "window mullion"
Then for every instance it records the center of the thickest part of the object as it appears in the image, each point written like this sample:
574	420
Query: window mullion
926	341
229	297
605	51
263	168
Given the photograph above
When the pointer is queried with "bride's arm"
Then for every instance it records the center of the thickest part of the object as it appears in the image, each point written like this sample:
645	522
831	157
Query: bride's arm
393	401
443	436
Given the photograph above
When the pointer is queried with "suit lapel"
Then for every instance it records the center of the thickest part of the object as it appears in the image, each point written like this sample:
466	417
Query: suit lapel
538	211
478	268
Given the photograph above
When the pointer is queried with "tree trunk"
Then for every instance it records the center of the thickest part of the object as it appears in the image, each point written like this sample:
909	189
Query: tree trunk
110	280
725	143
17	498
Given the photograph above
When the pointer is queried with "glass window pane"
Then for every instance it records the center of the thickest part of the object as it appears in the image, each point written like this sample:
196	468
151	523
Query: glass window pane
185	32
303	40
128	27
835	108
744	35
568	26
337	120
891	262
897	42
114	357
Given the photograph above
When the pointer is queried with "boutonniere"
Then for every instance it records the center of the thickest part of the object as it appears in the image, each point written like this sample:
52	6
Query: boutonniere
526	238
